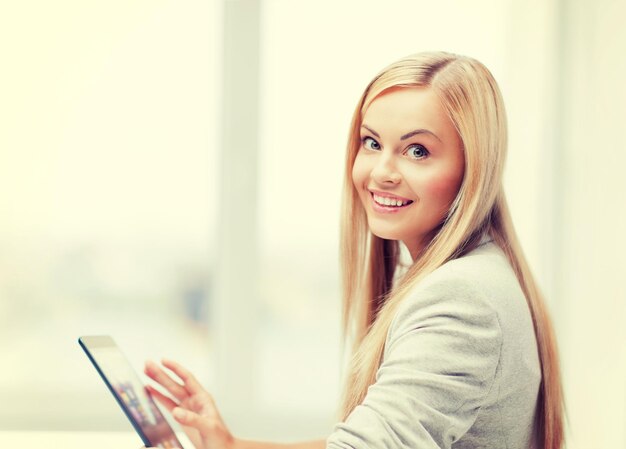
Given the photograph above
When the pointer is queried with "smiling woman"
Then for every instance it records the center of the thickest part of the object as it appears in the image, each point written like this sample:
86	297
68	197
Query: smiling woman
460	350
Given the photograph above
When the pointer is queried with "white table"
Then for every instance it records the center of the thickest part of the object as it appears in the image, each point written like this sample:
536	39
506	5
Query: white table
71	440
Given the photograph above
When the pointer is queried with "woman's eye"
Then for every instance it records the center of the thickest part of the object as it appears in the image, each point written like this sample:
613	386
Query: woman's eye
417	152
370	144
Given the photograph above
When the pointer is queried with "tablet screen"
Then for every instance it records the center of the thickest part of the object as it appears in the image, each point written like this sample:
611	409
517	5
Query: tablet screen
129	391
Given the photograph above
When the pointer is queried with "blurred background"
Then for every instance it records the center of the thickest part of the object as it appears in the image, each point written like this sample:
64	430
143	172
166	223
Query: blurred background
170	174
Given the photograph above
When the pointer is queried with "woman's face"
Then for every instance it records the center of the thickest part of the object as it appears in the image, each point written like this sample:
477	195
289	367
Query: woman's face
409	167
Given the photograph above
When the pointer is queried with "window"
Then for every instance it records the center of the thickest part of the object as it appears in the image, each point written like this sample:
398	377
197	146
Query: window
107	169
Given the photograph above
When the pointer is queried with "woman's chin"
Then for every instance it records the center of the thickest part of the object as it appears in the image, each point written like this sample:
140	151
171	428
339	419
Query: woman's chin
387	234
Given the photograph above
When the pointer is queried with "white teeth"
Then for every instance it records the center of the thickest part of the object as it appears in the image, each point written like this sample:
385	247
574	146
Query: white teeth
385	201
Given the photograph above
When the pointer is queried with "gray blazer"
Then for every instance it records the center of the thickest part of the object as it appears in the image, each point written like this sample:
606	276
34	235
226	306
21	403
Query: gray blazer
460	368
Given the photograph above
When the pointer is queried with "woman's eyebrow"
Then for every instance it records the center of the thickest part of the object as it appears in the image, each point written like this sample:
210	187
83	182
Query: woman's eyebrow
419	131
371	130
407	135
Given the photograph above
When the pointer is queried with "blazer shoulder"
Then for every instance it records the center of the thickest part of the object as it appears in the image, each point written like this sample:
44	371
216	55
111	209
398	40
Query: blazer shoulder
481	283
484	272
454	301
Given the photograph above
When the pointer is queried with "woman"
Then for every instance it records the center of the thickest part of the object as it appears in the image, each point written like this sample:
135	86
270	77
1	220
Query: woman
456	351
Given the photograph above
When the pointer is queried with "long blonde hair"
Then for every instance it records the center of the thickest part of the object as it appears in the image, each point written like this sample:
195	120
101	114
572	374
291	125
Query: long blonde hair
473	101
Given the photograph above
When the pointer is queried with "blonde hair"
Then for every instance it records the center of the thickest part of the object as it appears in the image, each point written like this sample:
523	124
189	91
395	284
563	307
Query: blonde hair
473	101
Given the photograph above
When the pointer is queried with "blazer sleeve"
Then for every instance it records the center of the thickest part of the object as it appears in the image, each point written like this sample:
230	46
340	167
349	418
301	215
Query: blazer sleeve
440	361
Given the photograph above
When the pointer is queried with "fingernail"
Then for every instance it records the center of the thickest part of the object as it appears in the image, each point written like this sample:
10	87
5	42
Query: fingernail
179	413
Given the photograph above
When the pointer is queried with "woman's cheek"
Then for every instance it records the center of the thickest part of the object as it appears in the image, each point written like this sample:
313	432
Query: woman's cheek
442	188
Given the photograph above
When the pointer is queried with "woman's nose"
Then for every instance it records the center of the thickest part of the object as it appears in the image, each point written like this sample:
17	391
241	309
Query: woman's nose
385	171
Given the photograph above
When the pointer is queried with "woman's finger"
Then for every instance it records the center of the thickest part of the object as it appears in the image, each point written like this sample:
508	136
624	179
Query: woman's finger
192	386
160	397
206	426
155	373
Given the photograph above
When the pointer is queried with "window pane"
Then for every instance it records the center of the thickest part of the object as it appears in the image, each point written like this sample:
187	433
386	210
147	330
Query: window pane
107	197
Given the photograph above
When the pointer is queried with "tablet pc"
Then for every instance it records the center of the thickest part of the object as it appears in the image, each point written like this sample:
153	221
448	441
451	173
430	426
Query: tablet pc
129	391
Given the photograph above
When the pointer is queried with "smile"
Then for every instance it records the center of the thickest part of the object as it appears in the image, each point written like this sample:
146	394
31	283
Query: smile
387	201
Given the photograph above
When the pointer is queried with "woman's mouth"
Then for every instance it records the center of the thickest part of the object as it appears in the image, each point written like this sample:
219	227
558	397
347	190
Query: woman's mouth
390	201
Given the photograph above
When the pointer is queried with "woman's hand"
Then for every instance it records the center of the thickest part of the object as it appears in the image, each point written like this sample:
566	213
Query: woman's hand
191	405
